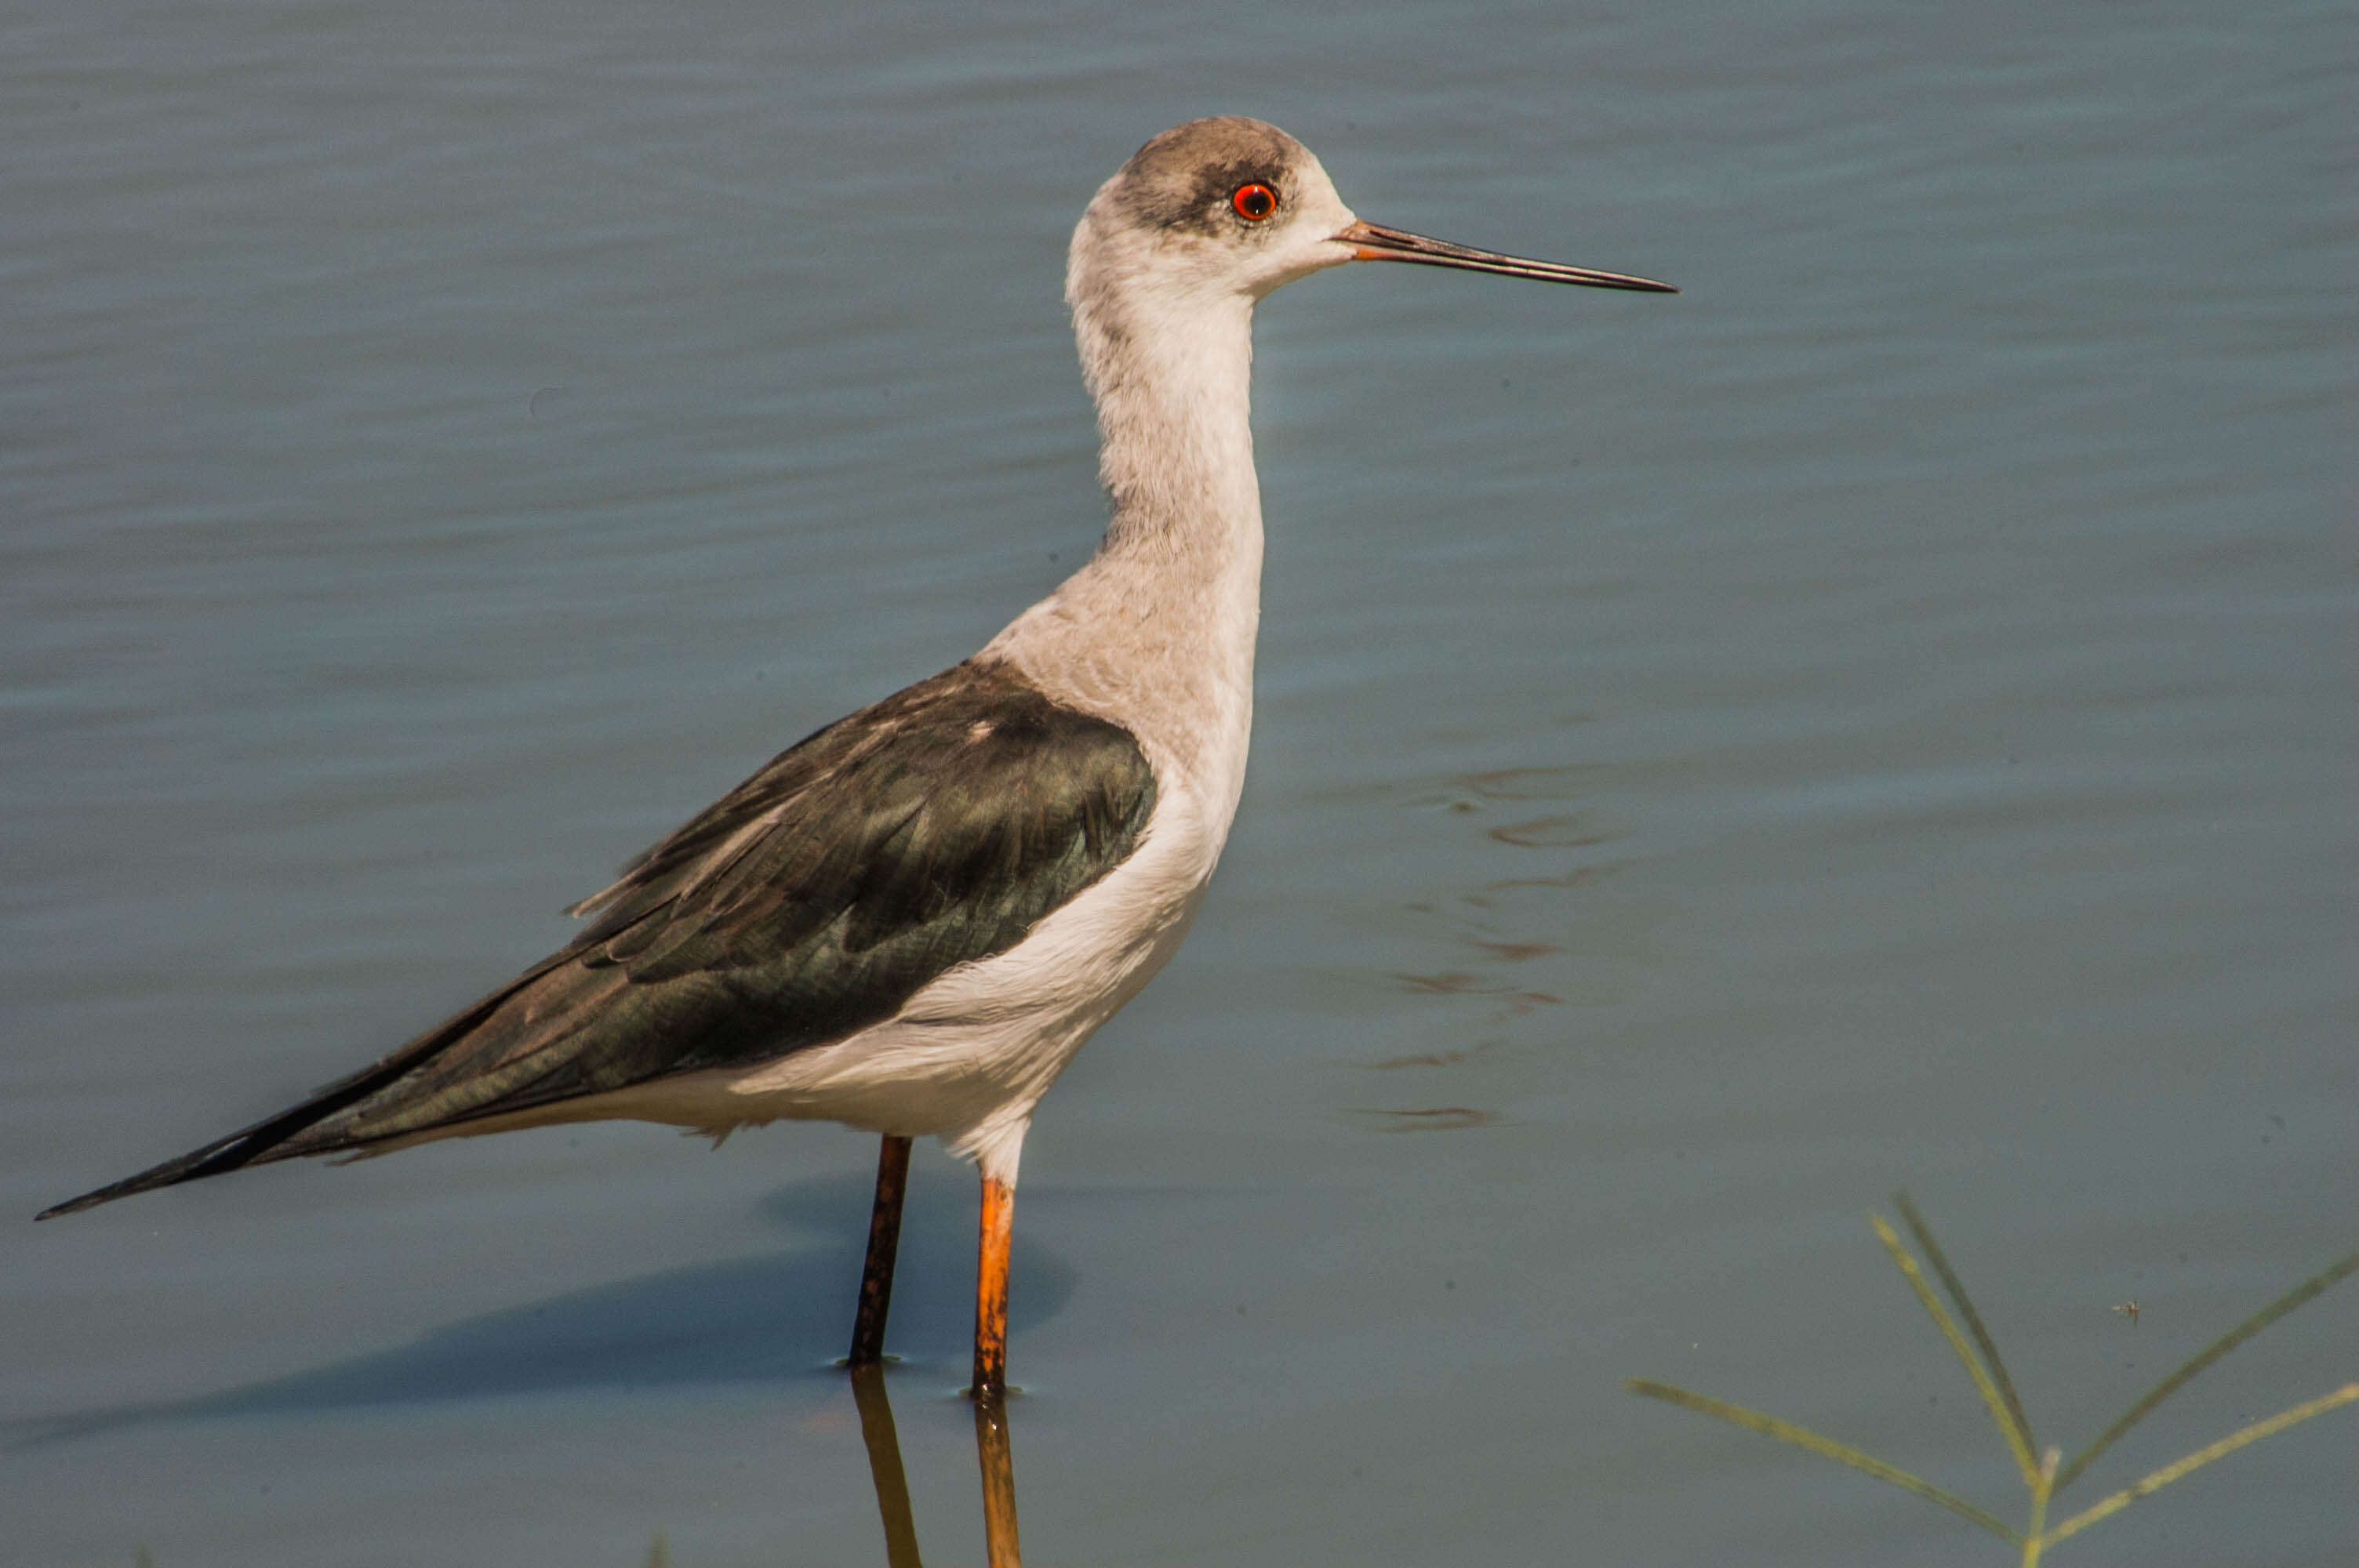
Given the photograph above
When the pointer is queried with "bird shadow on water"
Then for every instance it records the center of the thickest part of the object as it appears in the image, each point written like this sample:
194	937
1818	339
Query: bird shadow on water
772	1318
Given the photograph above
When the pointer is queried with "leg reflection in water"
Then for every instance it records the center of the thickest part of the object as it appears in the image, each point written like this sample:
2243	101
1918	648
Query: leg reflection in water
998	1483
883	1443
885	1465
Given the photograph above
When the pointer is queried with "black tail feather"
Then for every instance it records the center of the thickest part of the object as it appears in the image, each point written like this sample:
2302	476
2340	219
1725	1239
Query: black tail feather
258	1144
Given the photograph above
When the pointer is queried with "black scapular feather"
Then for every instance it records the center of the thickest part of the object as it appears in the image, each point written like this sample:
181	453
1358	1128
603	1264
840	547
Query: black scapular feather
931	829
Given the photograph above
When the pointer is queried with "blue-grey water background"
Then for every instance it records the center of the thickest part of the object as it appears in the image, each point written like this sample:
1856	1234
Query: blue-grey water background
1882	717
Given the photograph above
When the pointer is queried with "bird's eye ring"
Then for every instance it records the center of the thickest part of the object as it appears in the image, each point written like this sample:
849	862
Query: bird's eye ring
1253	202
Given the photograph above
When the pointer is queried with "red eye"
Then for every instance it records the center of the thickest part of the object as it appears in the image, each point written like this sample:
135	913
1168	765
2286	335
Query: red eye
1253	202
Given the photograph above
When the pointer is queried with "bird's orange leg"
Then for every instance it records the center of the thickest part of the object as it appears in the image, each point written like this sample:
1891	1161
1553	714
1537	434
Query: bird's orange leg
883	1243
990	1290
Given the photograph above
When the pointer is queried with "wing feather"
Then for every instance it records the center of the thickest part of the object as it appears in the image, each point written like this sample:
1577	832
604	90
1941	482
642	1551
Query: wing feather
931	829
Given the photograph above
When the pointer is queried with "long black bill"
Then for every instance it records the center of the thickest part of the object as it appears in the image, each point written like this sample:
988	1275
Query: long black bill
1371	242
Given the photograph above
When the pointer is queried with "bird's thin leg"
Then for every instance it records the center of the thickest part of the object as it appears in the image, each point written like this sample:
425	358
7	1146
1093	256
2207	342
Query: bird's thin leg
998	1484
884	1242
990	1290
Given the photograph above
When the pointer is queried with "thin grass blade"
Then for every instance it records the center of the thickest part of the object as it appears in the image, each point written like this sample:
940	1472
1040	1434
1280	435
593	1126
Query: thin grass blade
1964	1304
1827	1447
2200	1458
2043	1490
2333	1274
2025	1459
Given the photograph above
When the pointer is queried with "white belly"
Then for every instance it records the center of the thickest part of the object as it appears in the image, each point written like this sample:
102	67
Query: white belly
969	1056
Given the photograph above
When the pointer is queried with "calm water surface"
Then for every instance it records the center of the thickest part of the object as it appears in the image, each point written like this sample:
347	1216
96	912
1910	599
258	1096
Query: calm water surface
1881	718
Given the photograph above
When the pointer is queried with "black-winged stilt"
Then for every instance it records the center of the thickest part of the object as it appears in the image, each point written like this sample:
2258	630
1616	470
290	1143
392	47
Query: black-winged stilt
910	920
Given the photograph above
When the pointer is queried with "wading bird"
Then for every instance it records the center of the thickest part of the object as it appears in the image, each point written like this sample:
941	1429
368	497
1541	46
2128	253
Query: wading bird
910	921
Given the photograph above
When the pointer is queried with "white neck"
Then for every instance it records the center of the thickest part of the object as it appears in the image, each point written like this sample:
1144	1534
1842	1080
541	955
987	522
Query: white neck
1156	632
1173	385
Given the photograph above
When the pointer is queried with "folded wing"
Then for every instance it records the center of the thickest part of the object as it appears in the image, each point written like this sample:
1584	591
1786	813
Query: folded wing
929	830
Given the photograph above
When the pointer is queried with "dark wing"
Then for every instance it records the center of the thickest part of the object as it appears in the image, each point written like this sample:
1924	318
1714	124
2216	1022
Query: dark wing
815	899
